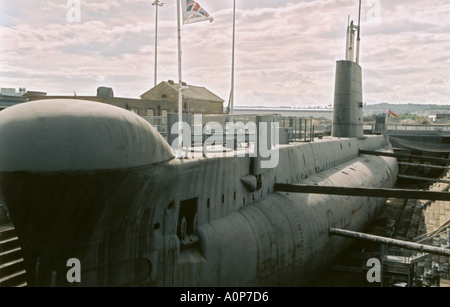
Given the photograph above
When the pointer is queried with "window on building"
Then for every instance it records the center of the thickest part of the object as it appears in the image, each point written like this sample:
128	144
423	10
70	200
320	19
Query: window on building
164	113
134	110
150	112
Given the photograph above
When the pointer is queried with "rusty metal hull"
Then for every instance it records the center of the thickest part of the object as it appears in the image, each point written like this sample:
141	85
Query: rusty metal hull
123	223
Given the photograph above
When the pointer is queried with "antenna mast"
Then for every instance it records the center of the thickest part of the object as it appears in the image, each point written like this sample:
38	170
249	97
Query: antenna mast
351	29
231	99
358	40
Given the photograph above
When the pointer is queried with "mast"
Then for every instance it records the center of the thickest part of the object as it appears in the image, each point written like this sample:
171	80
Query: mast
350	45
358	40
231	100
180	94
156	3
351	42
347	43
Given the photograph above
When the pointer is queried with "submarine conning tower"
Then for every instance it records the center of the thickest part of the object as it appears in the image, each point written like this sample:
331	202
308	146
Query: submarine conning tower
348	102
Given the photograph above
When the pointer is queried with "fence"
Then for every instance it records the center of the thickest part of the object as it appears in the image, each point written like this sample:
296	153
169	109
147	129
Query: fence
291	129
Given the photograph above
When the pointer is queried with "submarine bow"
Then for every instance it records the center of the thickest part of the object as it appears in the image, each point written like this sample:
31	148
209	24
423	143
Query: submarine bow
69	173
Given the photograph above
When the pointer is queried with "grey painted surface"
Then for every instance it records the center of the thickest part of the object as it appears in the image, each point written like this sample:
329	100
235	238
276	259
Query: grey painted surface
123	224
76	135
348	101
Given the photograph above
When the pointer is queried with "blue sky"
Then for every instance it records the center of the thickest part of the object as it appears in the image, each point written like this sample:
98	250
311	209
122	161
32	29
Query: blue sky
285	50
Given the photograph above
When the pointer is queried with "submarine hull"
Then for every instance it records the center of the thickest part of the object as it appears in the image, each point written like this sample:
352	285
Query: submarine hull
181	222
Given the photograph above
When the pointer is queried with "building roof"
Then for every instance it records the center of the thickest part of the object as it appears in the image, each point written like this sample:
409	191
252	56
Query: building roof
190	91
34	93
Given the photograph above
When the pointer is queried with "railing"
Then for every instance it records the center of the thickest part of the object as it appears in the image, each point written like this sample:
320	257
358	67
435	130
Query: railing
297	129
419	128
399	128
159	122
291	129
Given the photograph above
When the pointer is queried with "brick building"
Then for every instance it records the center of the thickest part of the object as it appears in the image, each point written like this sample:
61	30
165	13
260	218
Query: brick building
195	99
158	101
138	106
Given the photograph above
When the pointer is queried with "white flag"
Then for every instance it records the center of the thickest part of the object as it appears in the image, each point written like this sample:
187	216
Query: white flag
193	12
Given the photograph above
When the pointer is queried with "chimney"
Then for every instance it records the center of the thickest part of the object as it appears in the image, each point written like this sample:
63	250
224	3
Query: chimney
171	82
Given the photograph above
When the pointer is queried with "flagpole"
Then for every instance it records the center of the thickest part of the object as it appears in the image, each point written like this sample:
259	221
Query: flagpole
194	15
232	60
180	96
156	3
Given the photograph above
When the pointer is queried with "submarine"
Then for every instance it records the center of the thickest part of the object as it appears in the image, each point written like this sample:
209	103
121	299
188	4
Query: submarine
96	183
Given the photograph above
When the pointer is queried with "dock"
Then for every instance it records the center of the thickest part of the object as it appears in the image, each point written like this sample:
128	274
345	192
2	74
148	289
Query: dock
412	220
